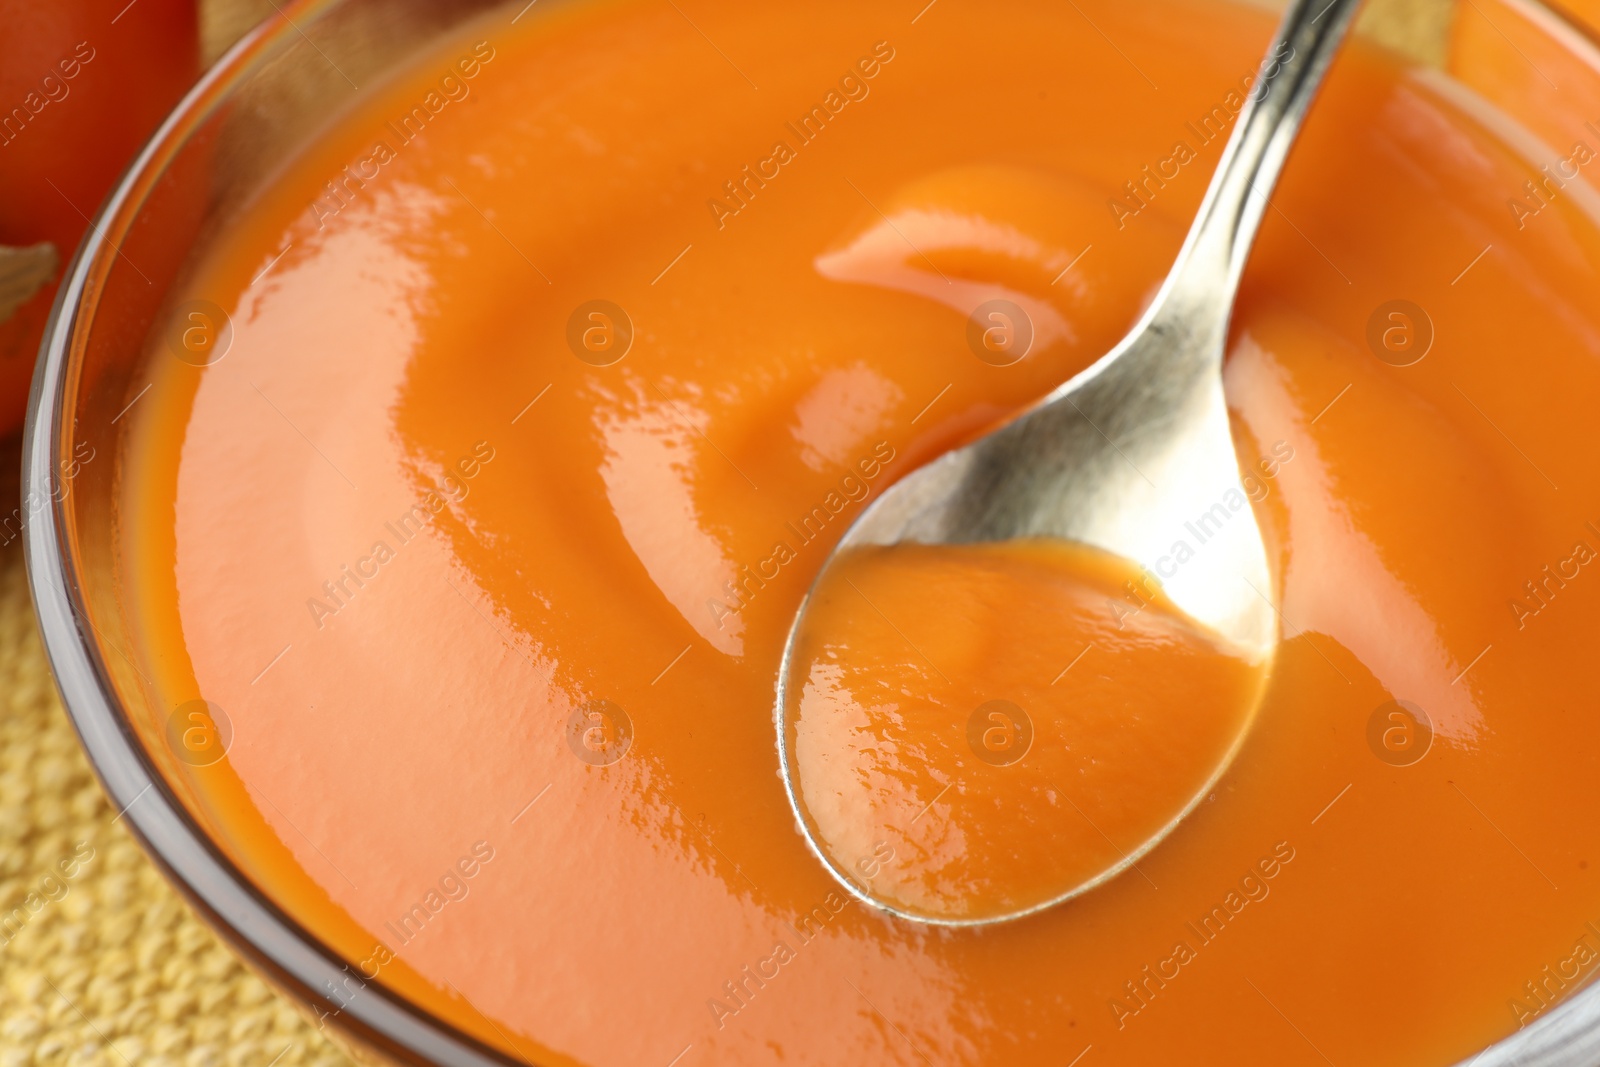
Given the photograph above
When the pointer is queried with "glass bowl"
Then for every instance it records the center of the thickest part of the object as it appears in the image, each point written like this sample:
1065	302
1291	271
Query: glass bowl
268	96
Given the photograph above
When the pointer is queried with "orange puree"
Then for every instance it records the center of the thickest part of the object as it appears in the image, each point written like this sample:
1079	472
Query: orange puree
497	627
960	754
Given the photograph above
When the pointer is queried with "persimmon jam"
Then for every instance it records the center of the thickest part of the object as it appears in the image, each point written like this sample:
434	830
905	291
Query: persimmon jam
931	676
491	449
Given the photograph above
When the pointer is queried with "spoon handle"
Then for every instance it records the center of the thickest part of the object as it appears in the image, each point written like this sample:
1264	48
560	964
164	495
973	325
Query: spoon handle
1208	268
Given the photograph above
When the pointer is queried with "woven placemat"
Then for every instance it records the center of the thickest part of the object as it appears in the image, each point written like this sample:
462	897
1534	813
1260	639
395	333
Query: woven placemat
102	964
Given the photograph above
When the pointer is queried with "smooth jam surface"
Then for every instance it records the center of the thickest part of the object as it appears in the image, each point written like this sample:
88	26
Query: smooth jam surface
492	590
959	754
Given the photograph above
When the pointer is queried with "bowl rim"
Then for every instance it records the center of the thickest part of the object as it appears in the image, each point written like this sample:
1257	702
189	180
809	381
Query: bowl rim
283	951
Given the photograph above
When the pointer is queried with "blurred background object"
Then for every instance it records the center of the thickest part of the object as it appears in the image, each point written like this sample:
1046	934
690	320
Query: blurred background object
83	83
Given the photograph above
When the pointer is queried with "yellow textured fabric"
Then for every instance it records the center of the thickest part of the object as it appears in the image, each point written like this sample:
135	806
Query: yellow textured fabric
101	963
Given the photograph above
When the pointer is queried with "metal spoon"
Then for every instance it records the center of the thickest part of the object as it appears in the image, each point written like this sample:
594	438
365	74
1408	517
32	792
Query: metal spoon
1133	452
